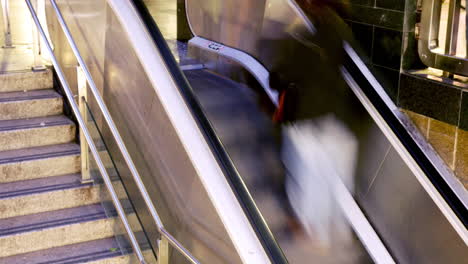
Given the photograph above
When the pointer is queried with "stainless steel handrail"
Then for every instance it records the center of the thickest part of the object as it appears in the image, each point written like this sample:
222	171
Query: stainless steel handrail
87	135
163	232
451	36
6	24
443	59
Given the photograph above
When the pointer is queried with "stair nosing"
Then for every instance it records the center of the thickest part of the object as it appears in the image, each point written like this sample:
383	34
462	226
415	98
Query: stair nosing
103	252
55	223
13	127
52	95
40	156
45	188
52	224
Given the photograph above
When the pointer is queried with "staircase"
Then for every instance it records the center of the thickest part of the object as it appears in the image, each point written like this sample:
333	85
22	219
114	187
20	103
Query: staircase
46	214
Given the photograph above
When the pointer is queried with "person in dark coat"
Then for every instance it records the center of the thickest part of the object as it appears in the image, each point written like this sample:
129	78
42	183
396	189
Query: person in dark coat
314	99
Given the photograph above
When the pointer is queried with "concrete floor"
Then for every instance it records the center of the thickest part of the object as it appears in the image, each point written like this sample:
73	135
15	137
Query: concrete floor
165	14
19	58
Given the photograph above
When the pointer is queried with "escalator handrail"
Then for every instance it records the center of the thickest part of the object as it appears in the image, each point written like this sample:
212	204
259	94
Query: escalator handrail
257	221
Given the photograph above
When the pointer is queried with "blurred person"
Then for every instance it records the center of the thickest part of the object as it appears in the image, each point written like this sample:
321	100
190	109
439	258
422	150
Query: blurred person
319	121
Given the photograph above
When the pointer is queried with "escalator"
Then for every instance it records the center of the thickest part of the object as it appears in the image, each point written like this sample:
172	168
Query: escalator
196	119
250	140
246	140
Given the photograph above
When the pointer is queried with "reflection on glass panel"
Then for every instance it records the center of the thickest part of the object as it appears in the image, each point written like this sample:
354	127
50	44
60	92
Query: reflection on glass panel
124	247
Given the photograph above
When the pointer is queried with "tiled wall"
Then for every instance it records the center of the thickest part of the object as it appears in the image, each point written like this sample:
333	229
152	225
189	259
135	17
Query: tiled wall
434	99
378	27
385	30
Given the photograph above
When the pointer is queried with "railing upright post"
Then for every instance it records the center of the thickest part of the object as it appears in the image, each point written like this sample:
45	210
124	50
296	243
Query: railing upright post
435	25
38	64
452	27
163	251
451	36
82	99
6	24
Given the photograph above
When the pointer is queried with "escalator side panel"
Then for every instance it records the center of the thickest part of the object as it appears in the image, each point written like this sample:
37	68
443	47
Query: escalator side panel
403	213
167	171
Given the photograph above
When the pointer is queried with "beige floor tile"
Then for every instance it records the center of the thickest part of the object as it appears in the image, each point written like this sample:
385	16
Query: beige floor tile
442	137
420	121
461	162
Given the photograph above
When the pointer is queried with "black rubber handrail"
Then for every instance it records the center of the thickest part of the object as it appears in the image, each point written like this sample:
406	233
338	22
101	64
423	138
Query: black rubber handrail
264	234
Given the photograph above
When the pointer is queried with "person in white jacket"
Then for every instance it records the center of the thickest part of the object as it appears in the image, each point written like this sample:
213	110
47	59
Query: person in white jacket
319	120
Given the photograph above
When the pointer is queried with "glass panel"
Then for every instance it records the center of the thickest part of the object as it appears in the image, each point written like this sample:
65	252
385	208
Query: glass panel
168	173
121	236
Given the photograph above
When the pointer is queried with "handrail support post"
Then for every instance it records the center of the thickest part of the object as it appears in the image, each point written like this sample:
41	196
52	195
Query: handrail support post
38	64
82	99
6	24
163	250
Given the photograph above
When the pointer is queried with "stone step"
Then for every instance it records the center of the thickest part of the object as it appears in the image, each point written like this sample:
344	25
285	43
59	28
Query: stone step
103	251
46	194
39	162
29	104
24	234
35	132
26	80
97	252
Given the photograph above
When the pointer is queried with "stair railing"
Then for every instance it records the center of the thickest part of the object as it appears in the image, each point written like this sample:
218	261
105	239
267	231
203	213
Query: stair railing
6	24
165	237
429	47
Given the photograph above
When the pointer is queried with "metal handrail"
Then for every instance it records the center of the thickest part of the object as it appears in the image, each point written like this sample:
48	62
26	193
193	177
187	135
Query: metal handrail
6	24
443	59
87	135
163	232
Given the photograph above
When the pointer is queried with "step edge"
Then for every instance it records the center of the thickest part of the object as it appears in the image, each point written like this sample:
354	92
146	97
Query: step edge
72	151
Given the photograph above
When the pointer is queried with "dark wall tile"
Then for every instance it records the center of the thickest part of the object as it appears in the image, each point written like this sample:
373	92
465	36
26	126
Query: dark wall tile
391	4
364	35
411	60
389	79
430	98
464	112
362	2
387	48
183	28
377	16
